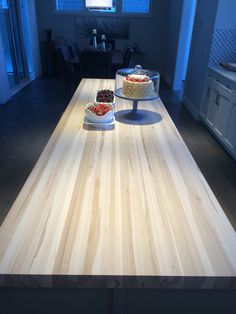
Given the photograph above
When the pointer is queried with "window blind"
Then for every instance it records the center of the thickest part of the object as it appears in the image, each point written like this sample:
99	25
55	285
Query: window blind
70	5
134	6
98	4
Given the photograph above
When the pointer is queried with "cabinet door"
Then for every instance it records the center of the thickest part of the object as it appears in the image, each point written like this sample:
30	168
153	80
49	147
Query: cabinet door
230	137
224	106
213	108
206	98
219	110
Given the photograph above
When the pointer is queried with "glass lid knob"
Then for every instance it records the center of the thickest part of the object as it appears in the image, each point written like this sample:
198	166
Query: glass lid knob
138	69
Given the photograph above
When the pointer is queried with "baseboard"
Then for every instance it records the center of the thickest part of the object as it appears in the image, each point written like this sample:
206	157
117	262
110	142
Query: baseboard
219	140
191	108
167	78
18	87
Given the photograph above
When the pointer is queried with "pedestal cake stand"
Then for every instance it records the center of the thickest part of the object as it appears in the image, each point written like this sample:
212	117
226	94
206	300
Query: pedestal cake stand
134	114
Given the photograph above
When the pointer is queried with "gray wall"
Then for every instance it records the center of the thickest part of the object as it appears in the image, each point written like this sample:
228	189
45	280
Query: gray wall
148	32
199	54
226	18
214	22
223	46
181	15
174	23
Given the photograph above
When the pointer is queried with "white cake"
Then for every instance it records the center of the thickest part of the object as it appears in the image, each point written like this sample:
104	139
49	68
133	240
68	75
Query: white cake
137	86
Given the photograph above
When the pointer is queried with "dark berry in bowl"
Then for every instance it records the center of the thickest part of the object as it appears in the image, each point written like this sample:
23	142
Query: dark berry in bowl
105	95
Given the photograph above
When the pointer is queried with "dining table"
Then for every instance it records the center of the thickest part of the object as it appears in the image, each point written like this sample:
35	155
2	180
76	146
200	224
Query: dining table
115	207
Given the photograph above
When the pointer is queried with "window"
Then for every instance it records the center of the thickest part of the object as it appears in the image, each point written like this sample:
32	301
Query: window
133	6
69	5
119	7
3	4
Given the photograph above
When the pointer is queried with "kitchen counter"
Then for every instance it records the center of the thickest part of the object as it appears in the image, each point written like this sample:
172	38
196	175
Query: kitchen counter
119	207
226	74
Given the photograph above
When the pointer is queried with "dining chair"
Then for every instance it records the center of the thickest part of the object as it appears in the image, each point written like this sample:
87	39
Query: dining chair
127	59
67	70
74	57
71	50
95	64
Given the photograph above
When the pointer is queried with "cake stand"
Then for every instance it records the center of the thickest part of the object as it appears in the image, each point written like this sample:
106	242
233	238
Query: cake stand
134	114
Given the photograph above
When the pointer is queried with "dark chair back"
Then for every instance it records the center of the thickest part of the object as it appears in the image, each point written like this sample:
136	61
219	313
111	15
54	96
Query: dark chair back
62	65
65	53
71	52
95	64
67	71
111	43
127	57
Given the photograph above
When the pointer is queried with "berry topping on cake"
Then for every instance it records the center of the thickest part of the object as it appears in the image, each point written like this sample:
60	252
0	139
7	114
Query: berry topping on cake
137	78
137	86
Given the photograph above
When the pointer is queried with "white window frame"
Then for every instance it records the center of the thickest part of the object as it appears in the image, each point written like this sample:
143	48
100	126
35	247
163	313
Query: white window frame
118	12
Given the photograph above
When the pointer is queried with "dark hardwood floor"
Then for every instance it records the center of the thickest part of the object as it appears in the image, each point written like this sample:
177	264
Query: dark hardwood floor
26	123
28	120
216	164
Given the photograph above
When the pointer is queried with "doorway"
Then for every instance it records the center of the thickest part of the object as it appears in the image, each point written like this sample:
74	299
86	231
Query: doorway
13	42
185	37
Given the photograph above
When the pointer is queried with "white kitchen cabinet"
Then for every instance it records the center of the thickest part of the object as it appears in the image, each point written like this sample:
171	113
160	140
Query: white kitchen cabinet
212	109
218	111
206	98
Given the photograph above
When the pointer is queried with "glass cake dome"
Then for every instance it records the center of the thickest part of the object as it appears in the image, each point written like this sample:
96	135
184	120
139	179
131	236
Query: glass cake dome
122	73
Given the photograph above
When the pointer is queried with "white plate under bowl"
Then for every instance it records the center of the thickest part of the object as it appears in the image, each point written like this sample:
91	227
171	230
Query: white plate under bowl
100	124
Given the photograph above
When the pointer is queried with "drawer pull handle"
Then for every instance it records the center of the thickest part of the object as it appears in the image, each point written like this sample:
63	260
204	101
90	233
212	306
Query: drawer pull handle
218	99
208	92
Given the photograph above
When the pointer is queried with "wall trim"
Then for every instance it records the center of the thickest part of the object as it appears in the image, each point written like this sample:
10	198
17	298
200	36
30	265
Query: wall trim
167	78
191	108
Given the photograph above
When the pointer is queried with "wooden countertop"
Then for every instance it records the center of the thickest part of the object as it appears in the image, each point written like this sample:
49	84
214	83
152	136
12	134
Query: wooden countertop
126	207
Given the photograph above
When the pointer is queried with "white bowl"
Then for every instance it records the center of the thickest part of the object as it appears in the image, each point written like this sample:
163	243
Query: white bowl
92	117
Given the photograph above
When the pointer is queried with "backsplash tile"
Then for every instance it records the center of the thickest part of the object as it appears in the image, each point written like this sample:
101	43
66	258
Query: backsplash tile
223	46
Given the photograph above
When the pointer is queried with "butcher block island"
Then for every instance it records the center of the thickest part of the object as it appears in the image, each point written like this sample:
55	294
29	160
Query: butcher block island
125	206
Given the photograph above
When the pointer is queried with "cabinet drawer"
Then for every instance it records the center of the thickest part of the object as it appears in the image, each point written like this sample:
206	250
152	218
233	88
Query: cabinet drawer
206	98
224	87
224	104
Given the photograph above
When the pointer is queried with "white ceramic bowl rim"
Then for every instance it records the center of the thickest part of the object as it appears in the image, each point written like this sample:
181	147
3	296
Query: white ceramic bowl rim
94	104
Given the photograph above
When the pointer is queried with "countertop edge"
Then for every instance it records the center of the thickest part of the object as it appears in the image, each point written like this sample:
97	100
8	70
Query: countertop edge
116	282
228	75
